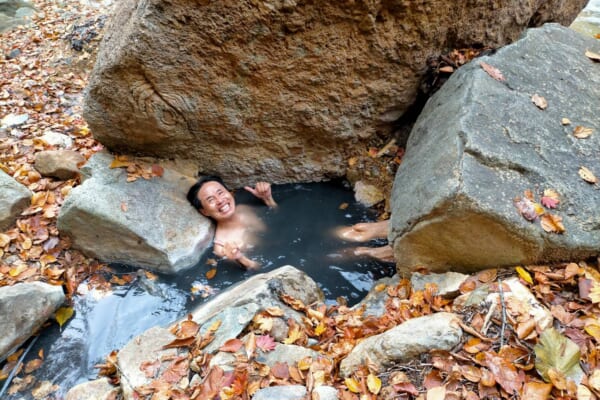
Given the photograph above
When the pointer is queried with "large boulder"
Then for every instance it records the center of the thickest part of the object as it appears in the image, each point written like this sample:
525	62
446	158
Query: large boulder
480	143
14	198
23	309
279	90
147	223
234	308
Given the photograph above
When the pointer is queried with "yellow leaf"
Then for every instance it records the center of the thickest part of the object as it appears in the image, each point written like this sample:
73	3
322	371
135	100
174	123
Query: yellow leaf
293	335
120	162
16	271
265	324
373	383
274	311
524	275
352	385
320	329
39	199
593	330
63	314
587	175
214	326
4	239
539	210
380	287
305	363
552	223
581	132
595	292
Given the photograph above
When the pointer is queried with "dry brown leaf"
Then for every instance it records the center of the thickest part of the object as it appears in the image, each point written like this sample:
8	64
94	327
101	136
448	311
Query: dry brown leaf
581	132
552	223
211	273
592	56
492	71
587	175
565	121
536	390
594	380
539	101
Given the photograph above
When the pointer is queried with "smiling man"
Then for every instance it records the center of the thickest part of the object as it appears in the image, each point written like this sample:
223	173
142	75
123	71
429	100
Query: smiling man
237	225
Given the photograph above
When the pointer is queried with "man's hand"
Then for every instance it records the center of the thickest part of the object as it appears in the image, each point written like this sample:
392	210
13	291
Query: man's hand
262	190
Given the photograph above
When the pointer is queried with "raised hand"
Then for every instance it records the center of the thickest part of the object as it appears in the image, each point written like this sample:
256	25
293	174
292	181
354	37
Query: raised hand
262	190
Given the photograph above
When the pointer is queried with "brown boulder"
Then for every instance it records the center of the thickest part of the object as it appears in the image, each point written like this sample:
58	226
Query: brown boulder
281	90
62	164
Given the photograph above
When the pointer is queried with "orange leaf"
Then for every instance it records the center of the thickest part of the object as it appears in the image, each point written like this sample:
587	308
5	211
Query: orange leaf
536	390
211	273
232	345
352	385
157	170
552	223
492	71
120	162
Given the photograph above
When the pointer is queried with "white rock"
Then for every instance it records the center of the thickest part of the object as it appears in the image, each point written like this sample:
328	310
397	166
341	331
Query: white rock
13	120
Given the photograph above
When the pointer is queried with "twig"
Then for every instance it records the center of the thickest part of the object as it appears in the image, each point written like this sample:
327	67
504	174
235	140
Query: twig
386	148
473	332
488	317
501	291
16	368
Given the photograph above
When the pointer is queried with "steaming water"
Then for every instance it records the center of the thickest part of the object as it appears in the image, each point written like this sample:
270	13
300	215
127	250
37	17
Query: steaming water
299	234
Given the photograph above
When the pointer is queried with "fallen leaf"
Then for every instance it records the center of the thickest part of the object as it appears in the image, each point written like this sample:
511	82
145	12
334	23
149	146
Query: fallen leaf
157	170
231	346
552	223
583	393
581	132
63	314
120	162
274	311
320	329
123	206
266	343
554	350
550	199
373	383
211	273
592	56
523	274
352	385
539	101
594	380
492	71
526	208
447	69
587	175
4	239
293	335
504	373
264	323
436	393
536	390
33	365
565	121
343	206
280	370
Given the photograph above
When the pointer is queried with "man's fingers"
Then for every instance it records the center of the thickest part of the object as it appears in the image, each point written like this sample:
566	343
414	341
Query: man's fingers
250	189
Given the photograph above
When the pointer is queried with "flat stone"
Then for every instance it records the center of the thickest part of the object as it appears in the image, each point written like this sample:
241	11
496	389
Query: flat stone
291	392
286	353
405	342
116	221
479	143
62	164
24	308
367	195
100	389
146	347
14	198
11	120
374	301
448	284
57	139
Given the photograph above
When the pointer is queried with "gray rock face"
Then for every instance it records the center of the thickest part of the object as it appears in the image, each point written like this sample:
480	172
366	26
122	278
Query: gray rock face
14	198
286	353
279	90
100	389
374	301
479	143
147	223
234	307
23	309
62	164
406	341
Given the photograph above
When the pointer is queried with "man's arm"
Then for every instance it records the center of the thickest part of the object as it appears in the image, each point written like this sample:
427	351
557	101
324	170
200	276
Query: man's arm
262	190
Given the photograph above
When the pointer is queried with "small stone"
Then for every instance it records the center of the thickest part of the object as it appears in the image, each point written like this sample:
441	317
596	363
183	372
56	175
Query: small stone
448	284
57	139
13	120
14	53
100	389
290	392
14	198
62	164
367	194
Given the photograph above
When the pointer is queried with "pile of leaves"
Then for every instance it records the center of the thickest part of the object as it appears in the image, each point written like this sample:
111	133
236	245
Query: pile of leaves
505	353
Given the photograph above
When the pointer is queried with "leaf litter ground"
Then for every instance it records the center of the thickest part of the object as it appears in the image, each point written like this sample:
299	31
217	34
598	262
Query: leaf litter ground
44	69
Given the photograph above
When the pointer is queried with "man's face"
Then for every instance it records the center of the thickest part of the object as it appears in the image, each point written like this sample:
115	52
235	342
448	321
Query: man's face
216	201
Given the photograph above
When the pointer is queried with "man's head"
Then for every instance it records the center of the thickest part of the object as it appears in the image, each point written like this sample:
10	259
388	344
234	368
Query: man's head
211	197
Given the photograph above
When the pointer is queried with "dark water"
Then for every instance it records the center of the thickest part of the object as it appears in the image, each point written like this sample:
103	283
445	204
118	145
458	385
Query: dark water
299	233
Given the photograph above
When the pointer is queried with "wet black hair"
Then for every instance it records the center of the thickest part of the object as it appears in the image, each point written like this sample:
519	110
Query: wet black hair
192	194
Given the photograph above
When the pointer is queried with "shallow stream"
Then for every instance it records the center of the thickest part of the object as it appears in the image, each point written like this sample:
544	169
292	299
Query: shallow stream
299	233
